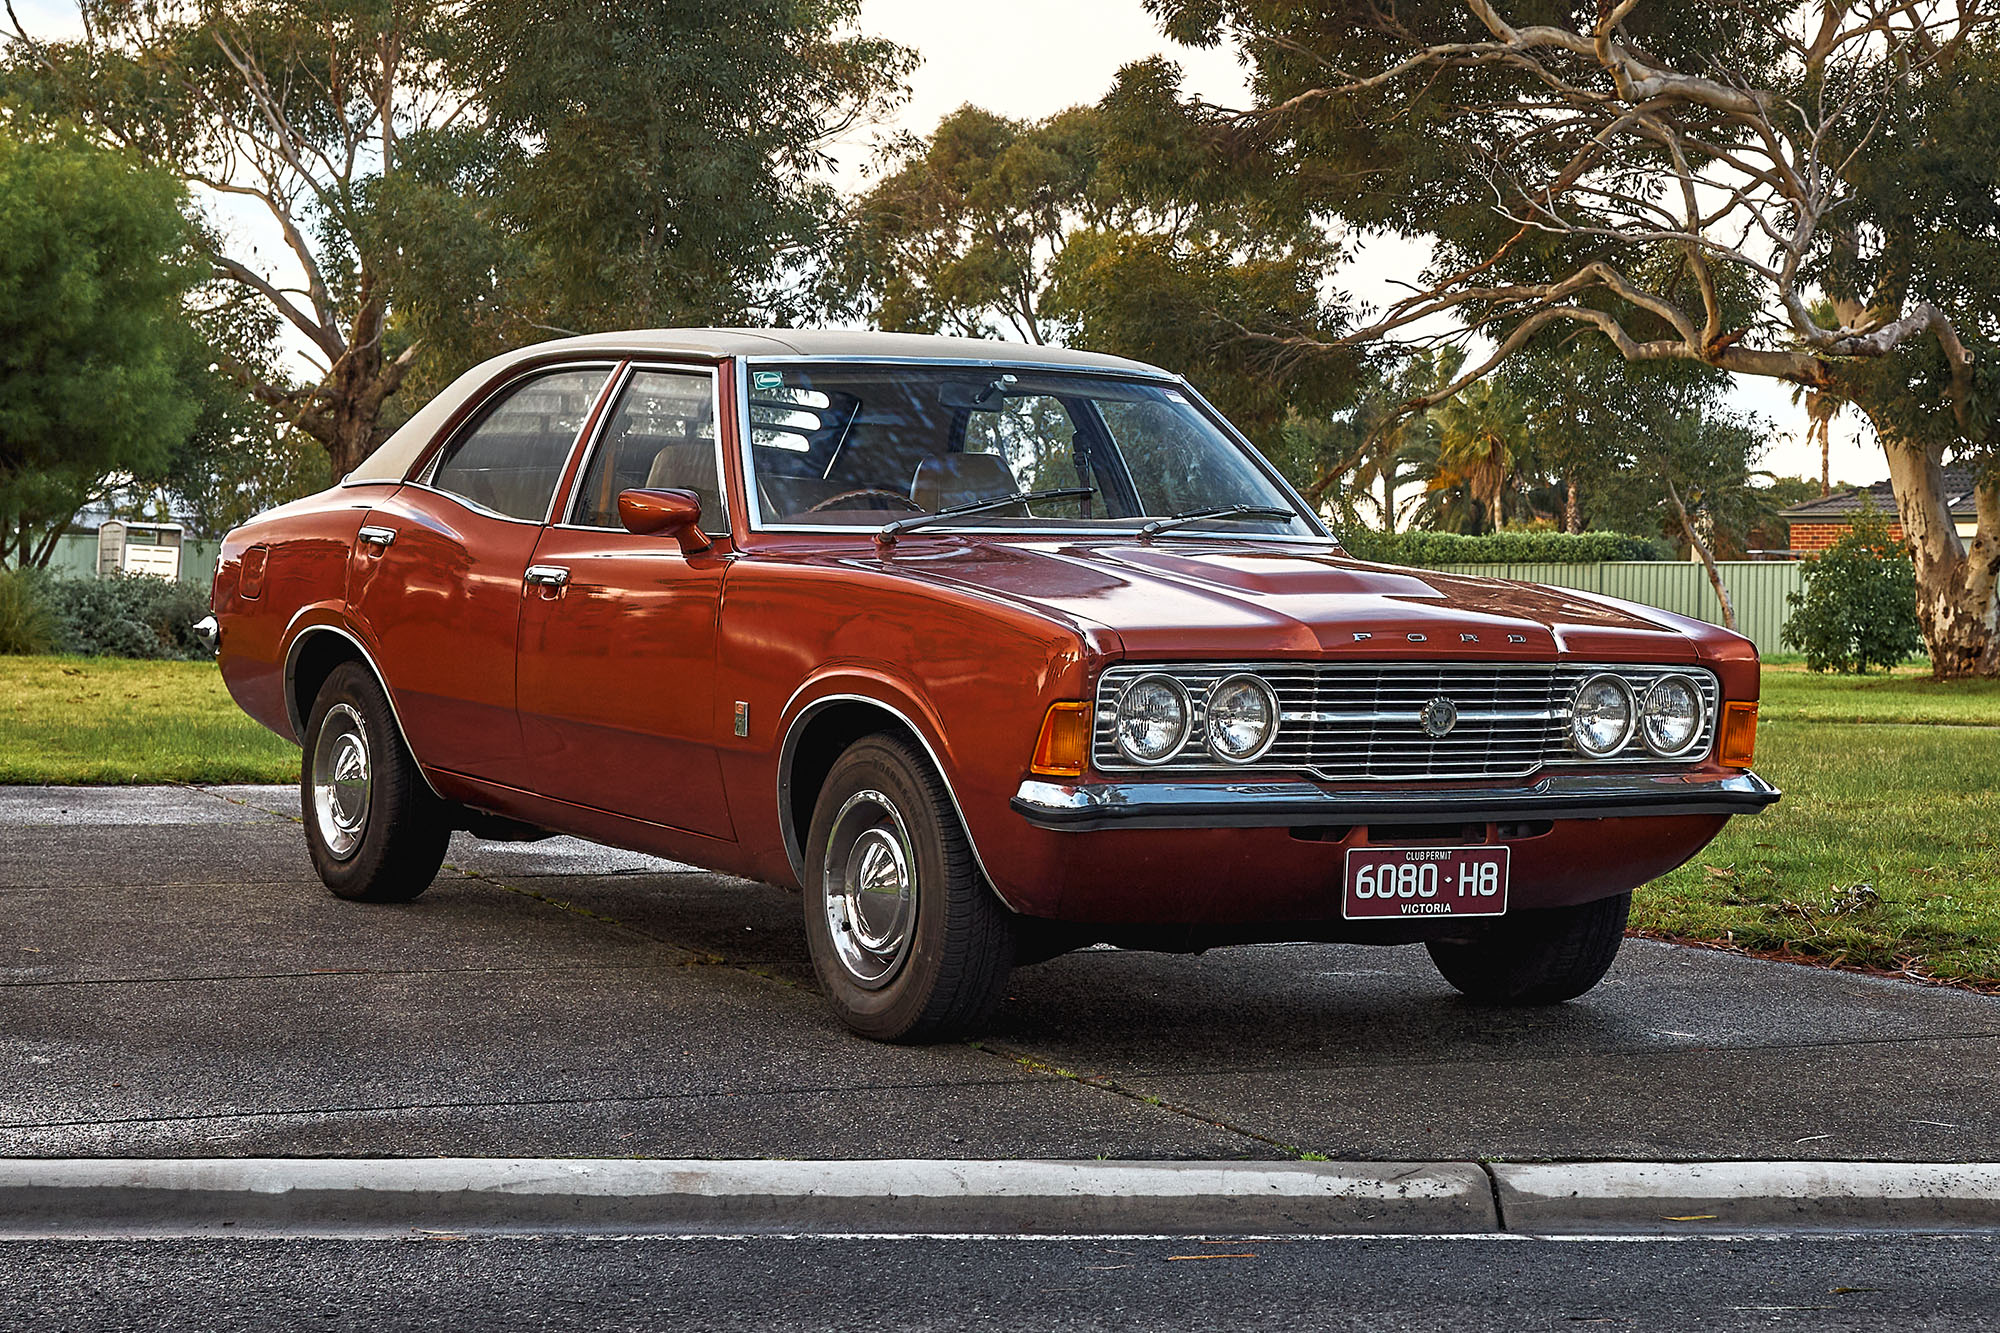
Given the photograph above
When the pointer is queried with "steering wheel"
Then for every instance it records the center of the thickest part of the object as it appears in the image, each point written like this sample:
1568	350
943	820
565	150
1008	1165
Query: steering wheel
869	493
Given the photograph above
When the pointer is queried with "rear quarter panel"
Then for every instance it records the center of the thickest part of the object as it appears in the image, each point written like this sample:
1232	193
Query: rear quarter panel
305	548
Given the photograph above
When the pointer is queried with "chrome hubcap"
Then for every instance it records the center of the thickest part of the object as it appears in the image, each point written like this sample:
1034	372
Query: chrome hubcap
869	887
340	781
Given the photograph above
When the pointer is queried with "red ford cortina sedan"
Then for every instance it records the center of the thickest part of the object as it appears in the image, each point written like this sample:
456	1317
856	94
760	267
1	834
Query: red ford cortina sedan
994	651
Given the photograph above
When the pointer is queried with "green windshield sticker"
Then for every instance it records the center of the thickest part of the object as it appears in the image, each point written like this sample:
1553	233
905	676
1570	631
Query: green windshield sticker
765	380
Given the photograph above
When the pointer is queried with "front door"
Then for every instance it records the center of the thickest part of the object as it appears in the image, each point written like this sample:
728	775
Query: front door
618	693
437	571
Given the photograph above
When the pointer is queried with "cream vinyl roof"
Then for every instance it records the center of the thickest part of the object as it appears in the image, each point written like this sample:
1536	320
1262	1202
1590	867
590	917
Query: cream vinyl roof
392	461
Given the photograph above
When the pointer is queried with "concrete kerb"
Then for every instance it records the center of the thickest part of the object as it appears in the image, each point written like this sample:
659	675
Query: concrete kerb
926	1197
41	1197
1593	1197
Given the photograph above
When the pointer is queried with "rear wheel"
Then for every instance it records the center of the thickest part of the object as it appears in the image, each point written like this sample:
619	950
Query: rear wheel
375	831
909	942
1543	956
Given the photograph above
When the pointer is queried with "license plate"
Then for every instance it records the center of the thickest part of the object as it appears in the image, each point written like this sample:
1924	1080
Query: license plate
1425	881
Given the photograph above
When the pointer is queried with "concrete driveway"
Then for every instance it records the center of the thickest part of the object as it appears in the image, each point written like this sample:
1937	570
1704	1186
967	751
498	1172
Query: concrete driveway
175	982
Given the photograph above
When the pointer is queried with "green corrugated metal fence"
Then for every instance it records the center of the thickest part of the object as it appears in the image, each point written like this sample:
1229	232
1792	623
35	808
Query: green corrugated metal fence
1758	587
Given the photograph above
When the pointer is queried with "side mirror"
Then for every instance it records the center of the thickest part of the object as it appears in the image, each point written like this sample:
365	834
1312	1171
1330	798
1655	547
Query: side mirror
676	513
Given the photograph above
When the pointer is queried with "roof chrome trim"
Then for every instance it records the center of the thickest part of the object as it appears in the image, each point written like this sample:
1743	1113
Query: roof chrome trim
293	715
796	853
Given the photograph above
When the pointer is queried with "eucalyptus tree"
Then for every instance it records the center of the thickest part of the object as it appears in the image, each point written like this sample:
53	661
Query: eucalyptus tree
1683	180
1083	227
438	179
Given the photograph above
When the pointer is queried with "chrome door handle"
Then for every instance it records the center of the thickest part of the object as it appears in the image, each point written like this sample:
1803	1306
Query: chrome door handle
548	576
377	536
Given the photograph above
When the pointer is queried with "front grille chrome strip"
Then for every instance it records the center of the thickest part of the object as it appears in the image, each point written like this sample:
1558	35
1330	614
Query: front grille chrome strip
1360	722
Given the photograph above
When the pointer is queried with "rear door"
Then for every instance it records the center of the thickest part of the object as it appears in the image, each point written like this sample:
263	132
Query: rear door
439	567
618	673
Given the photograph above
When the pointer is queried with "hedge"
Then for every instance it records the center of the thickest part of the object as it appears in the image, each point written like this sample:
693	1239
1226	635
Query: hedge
1431	549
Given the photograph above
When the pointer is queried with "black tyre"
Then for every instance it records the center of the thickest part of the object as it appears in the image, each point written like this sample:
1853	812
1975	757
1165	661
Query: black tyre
909	942
375	830
1536	957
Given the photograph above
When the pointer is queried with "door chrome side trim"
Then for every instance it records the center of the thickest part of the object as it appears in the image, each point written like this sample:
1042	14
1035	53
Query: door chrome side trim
794	852
294	715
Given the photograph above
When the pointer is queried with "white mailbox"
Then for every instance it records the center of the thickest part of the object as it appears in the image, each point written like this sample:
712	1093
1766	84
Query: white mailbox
139	548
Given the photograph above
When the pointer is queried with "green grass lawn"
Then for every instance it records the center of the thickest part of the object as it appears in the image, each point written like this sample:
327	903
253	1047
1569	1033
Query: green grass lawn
107	719
1885	852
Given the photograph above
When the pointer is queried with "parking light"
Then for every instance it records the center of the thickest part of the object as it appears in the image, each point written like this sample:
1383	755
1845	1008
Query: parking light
1064	745
1739	735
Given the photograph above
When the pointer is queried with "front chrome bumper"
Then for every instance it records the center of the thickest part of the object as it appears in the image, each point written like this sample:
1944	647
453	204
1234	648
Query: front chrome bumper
1078	807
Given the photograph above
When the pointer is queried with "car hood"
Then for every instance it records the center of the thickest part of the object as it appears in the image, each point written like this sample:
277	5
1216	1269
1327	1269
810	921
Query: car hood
1271	600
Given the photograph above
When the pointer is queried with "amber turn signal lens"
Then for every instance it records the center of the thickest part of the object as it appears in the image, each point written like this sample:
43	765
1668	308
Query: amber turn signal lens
1064	744
1739	735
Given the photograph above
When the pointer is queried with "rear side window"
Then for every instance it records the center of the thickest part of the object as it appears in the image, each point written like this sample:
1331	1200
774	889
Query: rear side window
511	457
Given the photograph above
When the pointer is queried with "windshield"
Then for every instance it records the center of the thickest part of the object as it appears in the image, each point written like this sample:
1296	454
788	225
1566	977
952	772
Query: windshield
860	445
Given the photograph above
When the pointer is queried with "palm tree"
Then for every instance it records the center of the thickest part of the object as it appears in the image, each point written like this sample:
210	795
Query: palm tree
1482	432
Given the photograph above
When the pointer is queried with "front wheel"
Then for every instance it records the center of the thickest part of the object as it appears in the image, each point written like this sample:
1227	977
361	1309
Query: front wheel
1540	956
375	831
909	942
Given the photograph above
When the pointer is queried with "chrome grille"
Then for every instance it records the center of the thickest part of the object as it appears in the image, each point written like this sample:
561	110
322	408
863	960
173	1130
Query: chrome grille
1358	722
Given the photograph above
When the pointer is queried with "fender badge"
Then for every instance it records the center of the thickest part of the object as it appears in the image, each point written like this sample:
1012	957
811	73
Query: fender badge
1517	638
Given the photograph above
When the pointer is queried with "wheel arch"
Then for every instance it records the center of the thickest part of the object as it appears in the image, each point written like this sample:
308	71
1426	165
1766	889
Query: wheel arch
315	652
816	737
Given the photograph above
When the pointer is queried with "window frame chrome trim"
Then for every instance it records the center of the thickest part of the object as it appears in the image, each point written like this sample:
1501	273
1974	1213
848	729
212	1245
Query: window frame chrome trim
754	505
422	478
601	423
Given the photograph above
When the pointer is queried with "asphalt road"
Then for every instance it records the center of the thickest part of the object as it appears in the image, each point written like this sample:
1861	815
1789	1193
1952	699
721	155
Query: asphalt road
772	1284
174	982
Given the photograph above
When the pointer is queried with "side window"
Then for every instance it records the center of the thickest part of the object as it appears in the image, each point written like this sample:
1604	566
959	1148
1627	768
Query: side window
513	456
661	437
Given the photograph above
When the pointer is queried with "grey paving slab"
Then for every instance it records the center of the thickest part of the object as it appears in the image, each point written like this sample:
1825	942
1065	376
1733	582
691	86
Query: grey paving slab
174	986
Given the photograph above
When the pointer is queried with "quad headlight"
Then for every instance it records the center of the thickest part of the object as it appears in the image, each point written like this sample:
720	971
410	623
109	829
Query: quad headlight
1602	716
1241	719
1153	718
1670	716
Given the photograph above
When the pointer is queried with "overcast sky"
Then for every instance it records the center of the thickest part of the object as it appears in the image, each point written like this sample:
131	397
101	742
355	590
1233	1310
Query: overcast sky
1030	58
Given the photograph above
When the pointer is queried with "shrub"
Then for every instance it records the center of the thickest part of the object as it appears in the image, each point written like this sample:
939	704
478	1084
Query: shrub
27	624
1430	549
128	615
1859	606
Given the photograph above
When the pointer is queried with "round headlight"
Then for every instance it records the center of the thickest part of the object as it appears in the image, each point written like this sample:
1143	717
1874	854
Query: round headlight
1242	719
1670	717
1152	719
1601	716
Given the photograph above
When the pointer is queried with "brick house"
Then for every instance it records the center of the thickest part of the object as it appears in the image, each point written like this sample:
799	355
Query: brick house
1818	524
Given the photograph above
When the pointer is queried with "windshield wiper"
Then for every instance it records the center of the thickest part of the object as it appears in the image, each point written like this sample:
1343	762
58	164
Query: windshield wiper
888	531
1230	513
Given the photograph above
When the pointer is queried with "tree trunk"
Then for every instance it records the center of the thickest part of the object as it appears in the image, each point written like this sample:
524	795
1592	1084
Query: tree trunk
1572	511
1706	557
1956	606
